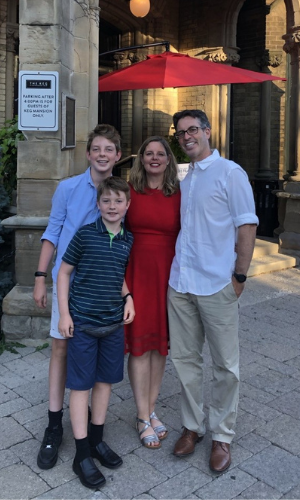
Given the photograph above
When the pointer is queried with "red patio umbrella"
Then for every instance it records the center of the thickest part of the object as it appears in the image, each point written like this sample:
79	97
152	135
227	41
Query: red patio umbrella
172	69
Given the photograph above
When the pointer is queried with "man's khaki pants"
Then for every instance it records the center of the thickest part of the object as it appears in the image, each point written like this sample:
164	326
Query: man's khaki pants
191	318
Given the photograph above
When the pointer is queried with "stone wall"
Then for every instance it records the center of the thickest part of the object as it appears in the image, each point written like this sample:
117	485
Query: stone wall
60	35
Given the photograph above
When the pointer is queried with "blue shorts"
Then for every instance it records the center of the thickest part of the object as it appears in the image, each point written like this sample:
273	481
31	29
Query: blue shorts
92	359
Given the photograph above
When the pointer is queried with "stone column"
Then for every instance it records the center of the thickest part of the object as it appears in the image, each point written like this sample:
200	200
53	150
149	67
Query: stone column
61	35
220	101
12	37
289	239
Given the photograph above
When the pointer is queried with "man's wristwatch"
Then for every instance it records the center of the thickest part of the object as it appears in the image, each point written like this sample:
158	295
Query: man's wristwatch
241	278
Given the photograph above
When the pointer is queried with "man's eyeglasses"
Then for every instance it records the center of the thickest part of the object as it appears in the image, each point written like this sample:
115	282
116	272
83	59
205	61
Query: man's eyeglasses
191	131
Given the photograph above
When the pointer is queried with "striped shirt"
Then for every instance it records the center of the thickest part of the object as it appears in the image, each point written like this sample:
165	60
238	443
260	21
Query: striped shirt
95	293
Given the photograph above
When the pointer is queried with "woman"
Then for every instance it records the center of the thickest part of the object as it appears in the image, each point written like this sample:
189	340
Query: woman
154	219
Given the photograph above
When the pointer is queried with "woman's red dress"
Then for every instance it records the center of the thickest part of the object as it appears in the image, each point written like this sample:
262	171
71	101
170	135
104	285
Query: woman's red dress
154	220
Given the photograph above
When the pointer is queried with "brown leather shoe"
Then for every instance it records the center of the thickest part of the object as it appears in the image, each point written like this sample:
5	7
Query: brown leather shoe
220	457
186	443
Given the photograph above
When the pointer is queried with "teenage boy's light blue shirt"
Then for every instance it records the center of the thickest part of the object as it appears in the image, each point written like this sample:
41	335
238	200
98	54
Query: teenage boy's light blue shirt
74	204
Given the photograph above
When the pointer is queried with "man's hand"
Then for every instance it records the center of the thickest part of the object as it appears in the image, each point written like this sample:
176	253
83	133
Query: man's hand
129	312
40	292
238	287
66	326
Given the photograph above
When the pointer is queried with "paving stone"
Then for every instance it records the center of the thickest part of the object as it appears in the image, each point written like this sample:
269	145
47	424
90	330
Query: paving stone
13	406
35	392
288	403
163	459
182	485
110	417
267	427
294	493
132	479
61	474
246	423
124	392
35	357
261	411
6	394
114	398
121	437
273	382
29	371
286	368
169	387
228	485
260	490
126	410
250	369
7	356
264	466
284	431
26	350
254	443
31	413
279	351
11	380
73	490
145	496
19	481
11	433
256	394
173	402
7	458
294	362
27	451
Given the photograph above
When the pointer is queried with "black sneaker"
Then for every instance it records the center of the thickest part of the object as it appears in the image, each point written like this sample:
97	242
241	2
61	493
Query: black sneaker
48	453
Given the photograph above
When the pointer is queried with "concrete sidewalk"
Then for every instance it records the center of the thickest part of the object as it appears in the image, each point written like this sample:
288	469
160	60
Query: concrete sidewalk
266	448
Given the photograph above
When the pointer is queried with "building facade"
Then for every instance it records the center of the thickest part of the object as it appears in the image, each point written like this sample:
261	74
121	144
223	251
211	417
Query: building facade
256	125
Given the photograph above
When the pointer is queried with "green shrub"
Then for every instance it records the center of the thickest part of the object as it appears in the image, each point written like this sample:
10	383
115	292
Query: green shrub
9	138
180	156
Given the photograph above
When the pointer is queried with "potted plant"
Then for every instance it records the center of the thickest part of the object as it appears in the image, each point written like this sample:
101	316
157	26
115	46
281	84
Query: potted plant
9	138
182	159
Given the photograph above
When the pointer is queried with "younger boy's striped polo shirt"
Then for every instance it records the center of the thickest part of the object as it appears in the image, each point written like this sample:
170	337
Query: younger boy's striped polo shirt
100	263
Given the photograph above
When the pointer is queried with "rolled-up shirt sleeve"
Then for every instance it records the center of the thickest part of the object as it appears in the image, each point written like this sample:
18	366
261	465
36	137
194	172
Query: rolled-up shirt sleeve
240	198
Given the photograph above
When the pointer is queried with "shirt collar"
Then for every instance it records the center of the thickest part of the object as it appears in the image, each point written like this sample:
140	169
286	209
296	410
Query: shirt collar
102	229
204	164
89	177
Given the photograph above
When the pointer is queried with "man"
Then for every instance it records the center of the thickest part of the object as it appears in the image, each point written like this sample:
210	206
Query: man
213	253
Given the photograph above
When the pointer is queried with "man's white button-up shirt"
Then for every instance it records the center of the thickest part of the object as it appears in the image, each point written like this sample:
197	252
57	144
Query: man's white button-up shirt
216	198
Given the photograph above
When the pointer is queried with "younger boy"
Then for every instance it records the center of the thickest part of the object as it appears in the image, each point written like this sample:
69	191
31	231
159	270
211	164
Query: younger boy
73	205
99	254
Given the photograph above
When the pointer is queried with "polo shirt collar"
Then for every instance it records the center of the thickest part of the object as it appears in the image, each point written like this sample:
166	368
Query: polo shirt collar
204	164
101	228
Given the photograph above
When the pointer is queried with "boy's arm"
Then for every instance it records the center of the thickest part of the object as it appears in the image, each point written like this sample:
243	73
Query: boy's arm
65	325
40	290
129	312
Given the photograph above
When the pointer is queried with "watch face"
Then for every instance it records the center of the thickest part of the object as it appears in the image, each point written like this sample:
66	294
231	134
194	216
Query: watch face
241	278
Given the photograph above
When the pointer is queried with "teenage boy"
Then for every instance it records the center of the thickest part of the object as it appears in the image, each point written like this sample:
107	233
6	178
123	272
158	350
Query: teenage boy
99	255
73	205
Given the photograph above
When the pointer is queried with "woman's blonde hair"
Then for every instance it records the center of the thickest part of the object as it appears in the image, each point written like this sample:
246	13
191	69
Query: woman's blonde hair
138	177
